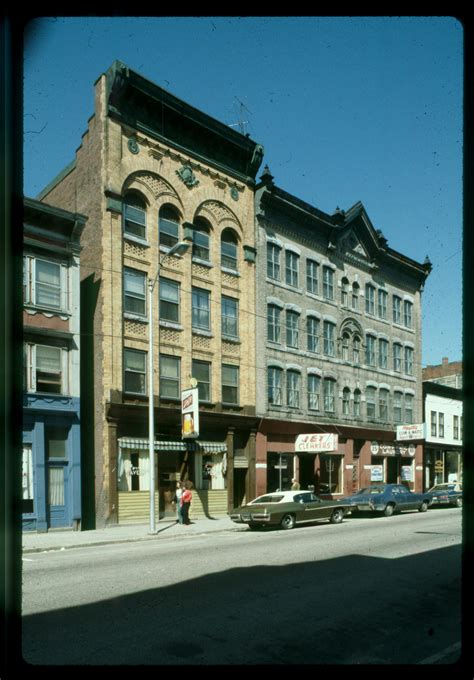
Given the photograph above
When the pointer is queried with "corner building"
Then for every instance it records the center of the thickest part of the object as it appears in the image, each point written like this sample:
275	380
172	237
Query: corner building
151	171
339	314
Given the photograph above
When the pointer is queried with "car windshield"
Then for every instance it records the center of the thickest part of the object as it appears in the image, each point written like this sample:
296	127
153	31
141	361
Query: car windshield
443	487
371	490
269	498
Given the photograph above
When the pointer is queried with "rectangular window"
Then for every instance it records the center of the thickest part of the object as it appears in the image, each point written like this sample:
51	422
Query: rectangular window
275	386
346	402
314	390
408	314
230	317
328	332
328	283
45	283
312	331
397	309
201	370
383	405
408	361
169	232
56	441
397	407
292	329
291	268
382	304
274	323
201	314
134	221
293	380
357	399
329	389
370	351
46	369
312	276
134	362
455	427
397	357
370	402
230	384
273	261
409	409
383	353
169	300
441	424
434	424
170	372
201	245
356	350
369	299
134	286
55	485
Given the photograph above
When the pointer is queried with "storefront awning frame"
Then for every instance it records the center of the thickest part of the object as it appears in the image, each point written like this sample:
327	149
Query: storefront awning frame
170	445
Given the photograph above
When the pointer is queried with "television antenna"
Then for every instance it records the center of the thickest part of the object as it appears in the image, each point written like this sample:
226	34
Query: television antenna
240	114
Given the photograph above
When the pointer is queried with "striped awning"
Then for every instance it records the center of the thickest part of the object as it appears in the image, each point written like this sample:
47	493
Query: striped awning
173	445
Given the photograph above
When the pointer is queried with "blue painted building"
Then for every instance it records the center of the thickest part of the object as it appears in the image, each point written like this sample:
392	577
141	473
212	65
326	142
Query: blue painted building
51	464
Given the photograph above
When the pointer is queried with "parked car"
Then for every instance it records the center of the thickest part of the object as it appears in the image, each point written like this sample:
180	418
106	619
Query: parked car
387	499
446	494
288	508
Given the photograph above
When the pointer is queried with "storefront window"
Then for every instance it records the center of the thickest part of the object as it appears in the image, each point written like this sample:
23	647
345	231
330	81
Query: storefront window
27	479
330	474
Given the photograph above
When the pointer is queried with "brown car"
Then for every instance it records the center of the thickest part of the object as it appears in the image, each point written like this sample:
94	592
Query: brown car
287	509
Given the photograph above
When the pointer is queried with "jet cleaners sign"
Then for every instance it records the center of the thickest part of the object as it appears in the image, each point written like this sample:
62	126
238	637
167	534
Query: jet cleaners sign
316	443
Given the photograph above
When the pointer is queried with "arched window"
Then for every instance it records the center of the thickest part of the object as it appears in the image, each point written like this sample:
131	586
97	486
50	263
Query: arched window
344	291
357	400
168	226
201	234
355	296
345	346
356	349
229	250
134	215
293	386
346	403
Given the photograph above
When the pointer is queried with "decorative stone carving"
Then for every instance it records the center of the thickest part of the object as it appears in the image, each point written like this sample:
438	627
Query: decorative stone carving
218	211
187	176
133	145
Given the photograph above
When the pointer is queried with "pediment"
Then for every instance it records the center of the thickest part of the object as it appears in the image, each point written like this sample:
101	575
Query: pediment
350	244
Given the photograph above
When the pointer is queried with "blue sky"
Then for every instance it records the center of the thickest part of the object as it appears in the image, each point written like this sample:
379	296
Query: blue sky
347	108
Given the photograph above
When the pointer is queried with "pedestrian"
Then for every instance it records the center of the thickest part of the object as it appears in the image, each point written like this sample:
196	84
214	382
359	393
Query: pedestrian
186	499
177	499
295	485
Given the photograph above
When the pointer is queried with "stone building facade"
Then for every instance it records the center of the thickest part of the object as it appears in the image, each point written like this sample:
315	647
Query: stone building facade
152	171
340	312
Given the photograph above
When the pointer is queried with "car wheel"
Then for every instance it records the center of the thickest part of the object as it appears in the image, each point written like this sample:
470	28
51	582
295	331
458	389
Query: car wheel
288	522
254	527
337	516
423	507
389	510
458	503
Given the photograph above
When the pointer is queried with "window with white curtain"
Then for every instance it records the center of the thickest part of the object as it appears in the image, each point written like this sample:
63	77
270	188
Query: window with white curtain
45	283
46	369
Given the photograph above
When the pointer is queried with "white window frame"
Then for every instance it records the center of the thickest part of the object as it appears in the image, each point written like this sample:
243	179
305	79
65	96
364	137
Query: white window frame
168	379
312	333
274	323
201	310
143	372
312	276
293	388
328	283
291	268
292	329
314	392
128	273
275	385
32	368
273	261
31	285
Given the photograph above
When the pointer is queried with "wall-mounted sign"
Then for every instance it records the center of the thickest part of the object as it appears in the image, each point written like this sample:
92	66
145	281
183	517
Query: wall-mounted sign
407	432
316	443
190	414
376	473
383	449
406	473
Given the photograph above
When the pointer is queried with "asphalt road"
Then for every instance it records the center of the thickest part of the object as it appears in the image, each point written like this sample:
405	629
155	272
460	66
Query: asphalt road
368	591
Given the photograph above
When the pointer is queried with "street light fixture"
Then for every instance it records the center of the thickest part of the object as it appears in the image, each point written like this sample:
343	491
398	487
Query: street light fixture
178	249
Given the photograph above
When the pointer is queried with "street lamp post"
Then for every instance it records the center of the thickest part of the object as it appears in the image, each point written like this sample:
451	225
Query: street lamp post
178	249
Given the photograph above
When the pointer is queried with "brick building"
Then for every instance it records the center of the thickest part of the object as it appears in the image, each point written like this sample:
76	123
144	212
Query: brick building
51	470
151	171
339	314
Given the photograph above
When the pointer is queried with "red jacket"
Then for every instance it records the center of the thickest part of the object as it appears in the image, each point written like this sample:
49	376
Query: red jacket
187	496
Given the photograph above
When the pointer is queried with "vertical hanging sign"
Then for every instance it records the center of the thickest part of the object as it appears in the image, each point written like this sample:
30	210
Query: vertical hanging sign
190	413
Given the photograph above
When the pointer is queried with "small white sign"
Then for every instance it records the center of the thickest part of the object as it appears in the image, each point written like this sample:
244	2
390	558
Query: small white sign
260	465
408	432
316	442
349	467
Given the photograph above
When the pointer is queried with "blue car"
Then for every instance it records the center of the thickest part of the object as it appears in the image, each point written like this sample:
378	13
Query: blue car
387	499
449	493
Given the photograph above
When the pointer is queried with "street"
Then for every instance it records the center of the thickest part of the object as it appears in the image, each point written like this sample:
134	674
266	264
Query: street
372	590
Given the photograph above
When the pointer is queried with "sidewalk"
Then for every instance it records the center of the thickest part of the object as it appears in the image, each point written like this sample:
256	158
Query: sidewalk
64	539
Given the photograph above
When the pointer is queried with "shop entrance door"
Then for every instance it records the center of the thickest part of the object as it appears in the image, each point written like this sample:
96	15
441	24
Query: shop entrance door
307	476
392	471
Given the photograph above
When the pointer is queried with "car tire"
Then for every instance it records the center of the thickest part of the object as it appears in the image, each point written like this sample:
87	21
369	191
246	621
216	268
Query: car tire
423	507
288	522
389	510
458	503
337	516
254	527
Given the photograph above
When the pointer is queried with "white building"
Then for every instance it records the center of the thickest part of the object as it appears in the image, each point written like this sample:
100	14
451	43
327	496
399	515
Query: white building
443	411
